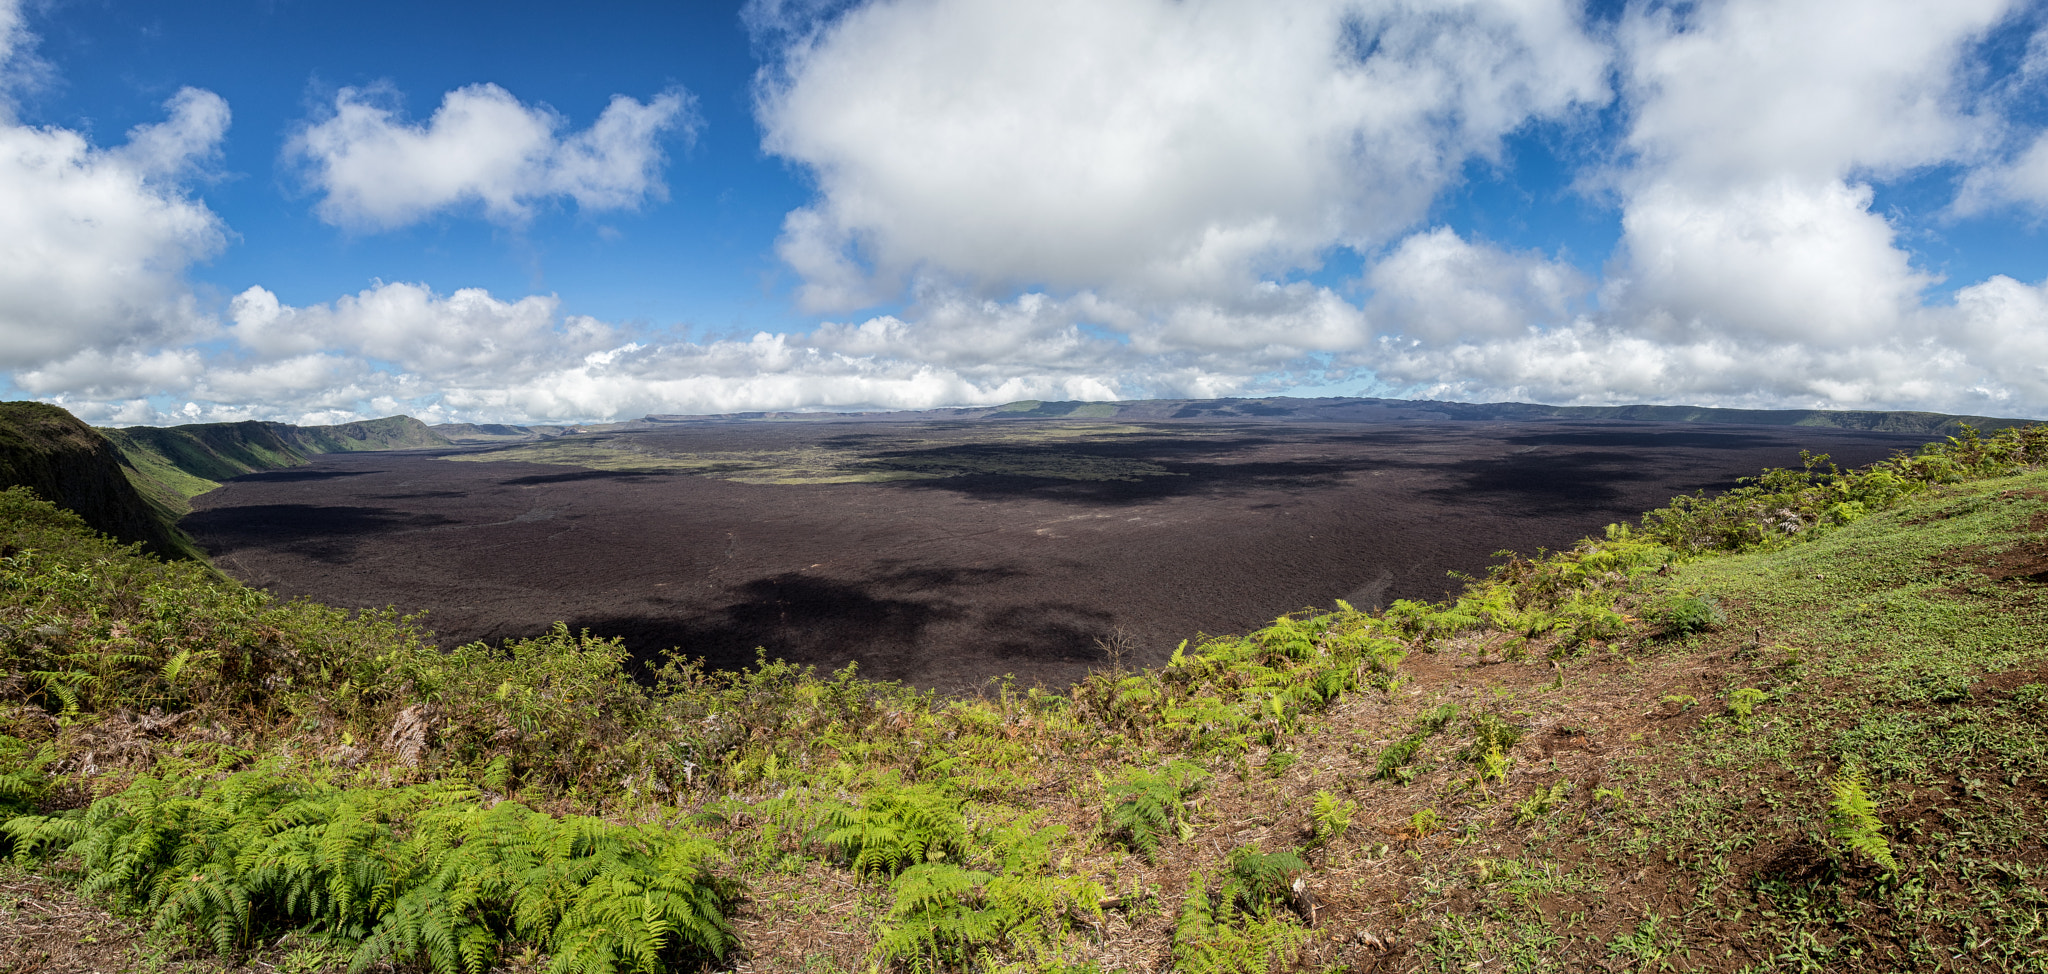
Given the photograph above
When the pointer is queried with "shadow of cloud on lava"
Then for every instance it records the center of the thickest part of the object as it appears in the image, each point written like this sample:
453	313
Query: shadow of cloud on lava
288	476
573	476
828	625
879	622
804	619
1639	438
1539	482
330	534
1180	477
1050	632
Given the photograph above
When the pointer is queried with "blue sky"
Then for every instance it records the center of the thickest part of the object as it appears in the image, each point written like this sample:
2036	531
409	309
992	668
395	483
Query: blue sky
279	63
536	212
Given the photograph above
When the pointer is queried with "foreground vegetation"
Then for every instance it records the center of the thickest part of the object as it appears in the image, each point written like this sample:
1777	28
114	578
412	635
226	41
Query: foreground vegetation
1797	726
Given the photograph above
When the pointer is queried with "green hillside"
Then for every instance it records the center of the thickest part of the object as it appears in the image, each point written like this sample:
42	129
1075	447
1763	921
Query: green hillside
178	463
1797	727
47	450
135	483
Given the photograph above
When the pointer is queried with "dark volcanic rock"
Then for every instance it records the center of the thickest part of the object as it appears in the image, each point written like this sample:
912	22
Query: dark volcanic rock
1016	561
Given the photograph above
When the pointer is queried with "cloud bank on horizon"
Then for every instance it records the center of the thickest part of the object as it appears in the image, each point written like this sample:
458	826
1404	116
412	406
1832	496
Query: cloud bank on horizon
1103	199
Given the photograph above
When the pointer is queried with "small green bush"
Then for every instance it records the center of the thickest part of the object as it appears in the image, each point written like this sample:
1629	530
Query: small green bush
1686	615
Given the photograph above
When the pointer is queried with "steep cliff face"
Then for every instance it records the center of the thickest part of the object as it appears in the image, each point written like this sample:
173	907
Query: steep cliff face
136	483
178	463
72	465
389	433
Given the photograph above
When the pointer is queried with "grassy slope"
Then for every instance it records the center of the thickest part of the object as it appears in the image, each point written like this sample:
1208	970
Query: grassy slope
49	451
175	464
1896	645
1630	756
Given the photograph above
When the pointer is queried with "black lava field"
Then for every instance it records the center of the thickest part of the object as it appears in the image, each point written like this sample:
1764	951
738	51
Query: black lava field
1010	554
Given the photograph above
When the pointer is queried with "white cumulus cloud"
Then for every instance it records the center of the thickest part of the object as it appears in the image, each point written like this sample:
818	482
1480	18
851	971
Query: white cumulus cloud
1097	199
94	243
1146	146
483	148
1757	124
1438	287
409	325
1752	268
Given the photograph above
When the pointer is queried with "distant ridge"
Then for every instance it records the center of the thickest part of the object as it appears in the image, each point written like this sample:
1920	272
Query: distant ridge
480	434
178	463
136	482
1362	410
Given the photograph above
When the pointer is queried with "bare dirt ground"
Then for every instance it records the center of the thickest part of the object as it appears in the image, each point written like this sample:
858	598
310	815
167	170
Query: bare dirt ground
949	581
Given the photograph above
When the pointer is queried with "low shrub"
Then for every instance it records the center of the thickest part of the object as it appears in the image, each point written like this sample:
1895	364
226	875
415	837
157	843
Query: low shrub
1686	615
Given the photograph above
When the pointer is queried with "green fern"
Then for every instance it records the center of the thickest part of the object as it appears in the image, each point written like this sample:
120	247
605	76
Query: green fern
1147	806
1393	762
1211	936
1330	817
425	875
1492	737
896	827
1742	703
1436	720
1259	881
22	780
946	915
1541	803
1853	821
65	688
1491	733
938	919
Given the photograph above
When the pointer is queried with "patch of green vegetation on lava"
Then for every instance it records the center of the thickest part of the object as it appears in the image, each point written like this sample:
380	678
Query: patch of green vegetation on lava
1018	452
1796	726
814	465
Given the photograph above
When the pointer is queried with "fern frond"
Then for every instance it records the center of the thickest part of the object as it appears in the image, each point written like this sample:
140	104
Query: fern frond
896	827
1147	806
1853	821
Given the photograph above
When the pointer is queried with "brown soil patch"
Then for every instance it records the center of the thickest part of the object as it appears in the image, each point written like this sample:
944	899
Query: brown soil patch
2021	563
2028	561
950	582
46	928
